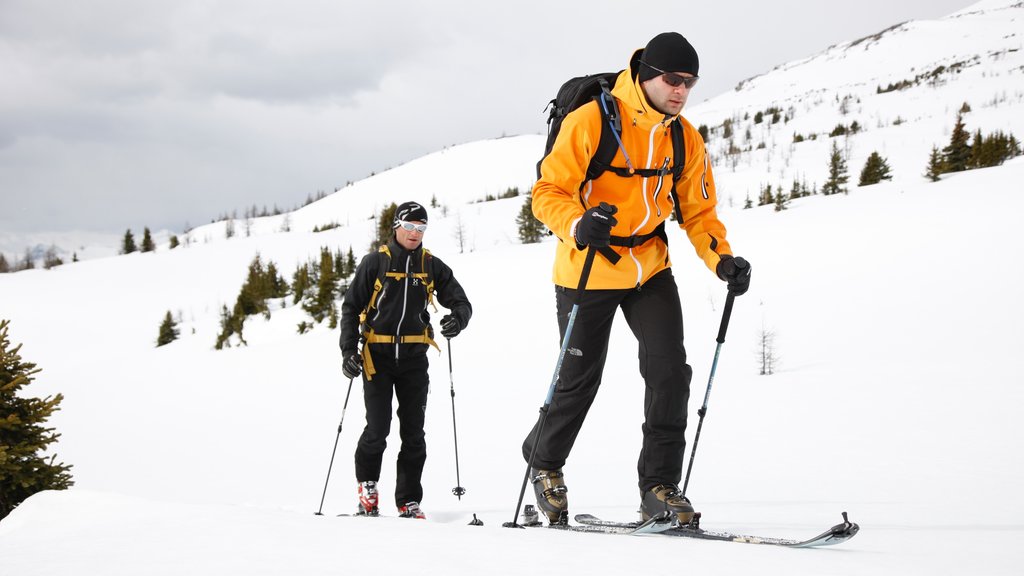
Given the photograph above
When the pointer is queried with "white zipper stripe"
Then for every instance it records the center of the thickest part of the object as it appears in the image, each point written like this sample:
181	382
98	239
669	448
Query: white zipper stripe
405	302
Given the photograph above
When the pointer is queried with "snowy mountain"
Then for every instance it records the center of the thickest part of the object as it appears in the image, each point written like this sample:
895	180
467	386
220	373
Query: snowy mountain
897	396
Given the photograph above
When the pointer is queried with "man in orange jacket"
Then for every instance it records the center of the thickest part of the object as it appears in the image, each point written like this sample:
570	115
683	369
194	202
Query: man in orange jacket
633	271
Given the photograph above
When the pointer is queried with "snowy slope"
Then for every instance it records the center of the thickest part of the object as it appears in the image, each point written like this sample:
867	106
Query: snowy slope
897	398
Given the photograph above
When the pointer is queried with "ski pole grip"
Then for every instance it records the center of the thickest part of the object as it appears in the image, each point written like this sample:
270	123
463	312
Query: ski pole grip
726	314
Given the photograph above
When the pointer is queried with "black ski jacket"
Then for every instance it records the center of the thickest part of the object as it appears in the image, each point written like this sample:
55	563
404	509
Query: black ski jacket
401	307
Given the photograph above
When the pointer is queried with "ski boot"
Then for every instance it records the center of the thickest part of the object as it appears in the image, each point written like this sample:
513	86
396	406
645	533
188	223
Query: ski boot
549	487
368	499
411	510
666	498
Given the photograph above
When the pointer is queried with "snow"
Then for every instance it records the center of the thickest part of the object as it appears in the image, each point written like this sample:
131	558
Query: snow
897	397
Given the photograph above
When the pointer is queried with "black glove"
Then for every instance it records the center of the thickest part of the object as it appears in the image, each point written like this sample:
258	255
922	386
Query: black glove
451	326
351	364
735	271
595	228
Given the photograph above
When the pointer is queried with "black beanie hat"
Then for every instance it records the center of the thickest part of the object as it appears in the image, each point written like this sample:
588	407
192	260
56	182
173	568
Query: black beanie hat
669	52
408	212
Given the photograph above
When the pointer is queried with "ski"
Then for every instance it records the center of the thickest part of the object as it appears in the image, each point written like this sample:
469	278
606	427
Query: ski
656	525
835	535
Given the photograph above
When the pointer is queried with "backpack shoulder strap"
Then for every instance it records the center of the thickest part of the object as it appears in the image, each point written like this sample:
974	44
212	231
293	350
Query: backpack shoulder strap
384	262
678	163
427	267
608	106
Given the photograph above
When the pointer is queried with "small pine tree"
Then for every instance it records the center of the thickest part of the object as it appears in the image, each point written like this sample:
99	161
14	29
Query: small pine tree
320	303
780	201
5	267
174	241
128	243
384	227
530	229
168	331
936	166
766	197
350	262
837	176
957	154
24	470
875	170
748	203
147	241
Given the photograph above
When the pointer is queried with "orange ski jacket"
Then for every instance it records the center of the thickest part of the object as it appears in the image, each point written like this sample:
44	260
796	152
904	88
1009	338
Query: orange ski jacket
561	195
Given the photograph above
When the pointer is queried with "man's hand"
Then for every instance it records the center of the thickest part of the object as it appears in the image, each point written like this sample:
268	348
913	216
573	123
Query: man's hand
351	364
595	228
735	271
451	326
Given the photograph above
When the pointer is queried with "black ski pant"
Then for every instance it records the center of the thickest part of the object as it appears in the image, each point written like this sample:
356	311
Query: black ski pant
654	314
409	381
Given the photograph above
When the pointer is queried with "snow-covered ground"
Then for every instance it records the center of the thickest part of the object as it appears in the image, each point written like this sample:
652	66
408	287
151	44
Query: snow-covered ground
897	399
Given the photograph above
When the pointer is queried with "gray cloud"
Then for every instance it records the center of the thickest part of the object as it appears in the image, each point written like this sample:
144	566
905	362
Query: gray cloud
118	113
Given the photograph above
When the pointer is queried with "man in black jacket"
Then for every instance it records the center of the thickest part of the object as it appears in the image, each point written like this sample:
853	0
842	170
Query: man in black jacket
386	308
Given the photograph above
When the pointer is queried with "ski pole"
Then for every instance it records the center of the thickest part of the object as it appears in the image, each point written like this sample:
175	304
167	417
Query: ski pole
726	313
331	465
542	419
458	490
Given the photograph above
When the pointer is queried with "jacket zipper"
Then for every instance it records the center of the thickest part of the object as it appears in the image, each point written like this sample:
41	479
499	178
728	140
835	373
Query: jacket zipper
405	302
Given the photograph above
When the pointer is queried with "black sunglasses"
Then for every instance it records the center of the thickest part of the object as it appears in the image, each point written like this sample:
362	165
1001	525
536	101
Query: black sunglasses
672	79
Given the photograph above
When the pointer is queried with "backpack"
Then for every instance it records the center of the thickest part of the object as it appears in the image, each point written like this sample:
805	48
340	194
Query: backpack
425	279
578	91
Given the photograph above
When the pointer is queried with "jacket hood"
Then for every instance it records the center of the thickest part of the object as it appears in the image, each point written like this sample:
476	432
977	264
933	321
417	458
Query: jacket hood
628	90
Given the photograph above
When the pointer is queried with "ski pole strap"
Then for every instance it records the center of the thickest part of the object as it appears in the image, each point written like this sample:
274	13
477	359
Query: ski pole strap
585	275
726	314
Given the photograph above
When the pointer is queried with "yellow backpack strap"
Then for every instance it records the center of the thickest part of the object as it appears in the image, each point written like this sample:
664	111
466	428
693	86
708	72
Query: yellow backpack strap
419	339
377	286
428	283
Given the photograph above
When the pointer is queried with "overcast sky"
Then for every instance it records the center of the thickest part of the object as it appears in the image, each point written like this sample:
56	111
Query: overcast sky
162	113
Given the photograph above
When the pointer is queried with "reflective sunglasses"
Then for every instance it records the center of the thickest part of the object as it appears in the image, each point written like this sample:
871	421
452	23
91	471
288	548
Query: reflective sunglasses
672	79
421	228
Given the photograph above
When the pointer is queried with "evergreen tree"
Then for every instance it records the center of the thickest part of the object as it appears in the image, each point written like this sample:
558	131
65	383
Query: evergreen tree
875	170
384	226
168	331
147	241
766	197
837	176
780	201
5	267
958	153
24	470
530	229
174	241
748	203
301	281
936	166
128	244
320	304
350	263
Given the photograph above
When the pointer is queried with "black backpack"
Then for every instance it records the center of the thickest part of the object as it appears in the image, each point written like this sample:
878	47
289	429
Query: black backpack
577	92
